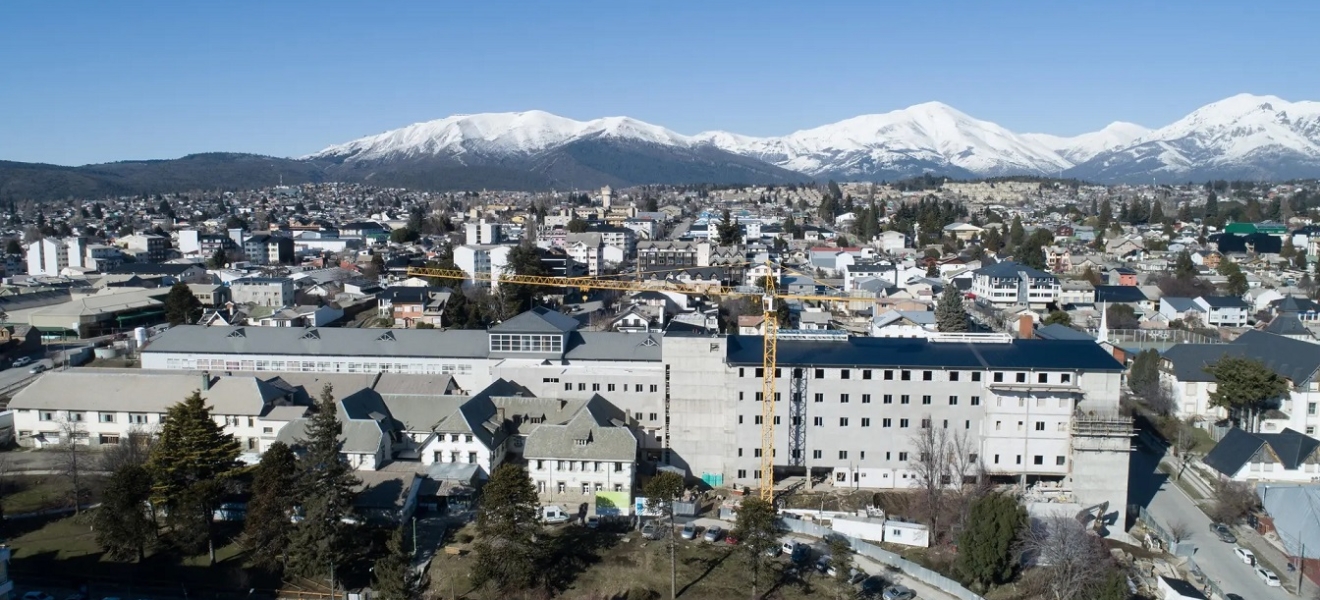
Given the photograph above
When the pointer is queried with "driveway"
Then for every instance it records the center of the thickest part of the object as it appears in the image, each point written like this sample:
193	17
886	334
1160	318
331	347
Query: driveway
1167	504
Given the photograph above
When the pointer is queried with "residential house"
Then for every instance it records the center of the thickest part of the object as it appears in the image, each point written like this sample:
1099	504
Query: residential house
1224	311
1076	291
1187	310
1008	283
412	306
262	291
1058	259
1288	455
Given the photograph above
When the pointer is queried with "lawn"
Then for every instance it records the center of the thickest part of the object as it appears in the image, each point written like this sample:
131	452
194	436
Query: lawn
31	493
64	550
598	564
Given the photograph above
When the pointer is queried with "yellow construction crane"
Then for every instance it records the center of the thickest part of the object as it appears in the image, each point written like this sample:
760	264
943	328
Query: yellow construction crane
768	296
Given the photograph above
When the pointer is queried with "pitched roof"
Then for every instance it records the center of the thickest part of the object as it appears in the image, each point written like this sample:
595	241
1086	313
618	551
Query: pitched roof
538	320
328	341
1287	324
1224	301
115	391
597	432
1117	294
1179	304
1058	331
1294	359
1010	269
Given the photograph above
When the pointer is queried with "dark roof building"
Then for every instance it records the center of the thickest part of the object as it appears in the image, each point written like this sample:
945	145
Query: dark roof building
1295	360
1289	449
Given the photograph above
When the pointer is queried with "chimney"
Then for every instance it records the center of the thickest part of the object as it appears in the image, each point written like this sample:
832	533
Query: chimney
206	380
1026	327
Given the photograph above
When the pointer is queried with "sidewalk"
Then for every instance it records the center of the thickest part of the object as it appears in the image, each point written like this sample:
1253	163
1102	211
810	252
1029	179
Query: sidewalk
1272	557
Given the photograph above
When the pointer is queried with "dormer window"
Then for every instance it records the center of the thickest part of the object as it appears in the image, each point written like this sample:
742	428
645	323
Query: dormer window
580	441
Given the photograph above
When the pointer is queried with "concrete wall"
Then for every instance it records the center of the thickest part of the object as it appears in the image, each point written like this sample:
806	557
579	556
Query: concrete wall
700	400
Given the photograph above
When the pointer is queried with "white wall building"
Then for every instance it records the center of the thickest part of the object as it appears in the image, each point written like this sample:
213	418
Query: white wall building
485	260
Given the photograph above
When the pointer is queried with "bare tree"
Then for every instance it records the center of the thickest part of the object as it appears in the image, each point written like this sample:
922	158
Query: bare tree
73	450
1180	531
133	449
939	463
1234	500
1073	560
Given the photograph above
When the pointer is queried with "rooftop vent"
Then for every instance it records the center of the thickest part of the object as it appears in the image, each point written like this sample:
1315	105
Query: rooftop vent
311	334
388	336
237	333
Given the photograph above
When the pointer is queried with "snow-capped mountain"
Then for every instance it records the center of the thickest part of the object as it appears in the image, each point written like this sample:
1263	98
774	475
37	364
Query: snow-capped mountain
929	137
1081	148
496	134
1242	137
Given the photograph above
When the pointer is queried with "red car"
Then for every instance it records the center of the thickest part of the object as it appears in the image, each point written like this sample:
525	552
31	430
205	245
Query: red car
731	540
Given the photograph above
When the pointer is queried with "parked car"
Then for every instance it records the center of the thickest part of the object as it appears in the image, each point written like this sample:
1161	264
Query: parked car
1223	533
773	551
1233	597
788	547
801	554
1245	555
38	369
689	532
713	534
22	361
899	592
872	587
856	576
651	531
823	563
593	522
1268	577
554	514
35	595
731	539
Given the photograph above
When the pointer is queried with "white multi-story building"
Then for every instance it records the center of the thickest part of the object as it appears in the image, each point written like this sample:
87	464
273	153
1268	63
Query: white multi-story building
1009	283
485	260
483	233
586	249
262	291
50	256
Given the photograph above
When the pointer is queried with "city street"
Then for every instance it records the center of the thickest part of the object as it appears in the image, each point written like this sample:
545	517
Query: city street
1167	504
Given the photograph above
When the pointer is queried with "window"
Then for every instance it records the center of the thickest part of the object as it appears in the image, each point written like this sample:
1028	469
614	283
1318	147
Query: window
618	467
866	373
654	388
756	452
760	372
906	376
742	473
468	438
252	422
925	423
1021	377
1040	426
886	422
568	387
595	387
1038	459
758	420
820	373
866	398
845	373
47	415
902	422
925	399
953	375
999	377
927	376
1042	378
976	400
843	421
889	375
758	396
902	456
740	395
472	458
582	387
904	399
740	453
776	419
76	417
820	397
107	417
818	421
521	342
843	455
609	387
843	398
637	388
976	375
996	459
889	398
653	416
1059	460
971	458
866	422
740	419
453	437
1310	408
953	401
561	487
999	425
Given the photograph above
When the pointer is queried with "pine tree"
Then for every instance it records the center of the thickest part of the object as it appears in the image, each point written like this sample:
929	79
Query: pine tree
757	529
1105	217
1156	213
218	259
267	526
1016	234
122	526
322	541
728	231
950	314
524	259
190	463
392	577
985	548
181	306
505	553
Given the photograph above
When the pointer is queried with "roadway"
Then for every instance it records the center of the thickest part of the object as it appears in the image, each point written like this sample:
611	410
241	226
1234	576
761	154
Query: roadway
1167	504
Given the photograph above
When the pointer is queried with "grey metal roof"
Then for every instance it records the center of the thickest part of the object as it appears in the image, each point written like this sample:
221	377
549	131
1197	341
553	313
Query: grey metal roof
1181	304
1287	324
1010	270
1294	359
1062	332
600	424
914	352
328	341
605	345
538	320
1296	513
147	393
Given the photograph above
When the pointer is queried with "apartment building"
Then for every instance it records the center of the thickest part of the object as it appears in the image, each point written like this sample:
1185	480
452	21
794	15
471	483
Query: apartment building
262	291
483	233
586	249
1009	283
146	247
665	255
485	260
50	256
267	249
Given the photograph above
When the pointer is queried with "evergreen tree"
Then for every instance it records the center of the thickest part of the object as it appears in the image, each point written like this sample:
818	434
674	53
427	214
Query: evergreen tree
123	528
1106	216
650	204
1245	387
524	259
1156	213
322	542
505	553
985	547
1183	267
950	314
181	306
190	463
728	231
1211	214
218	259
13	247
1016	234
577	225
757	529
393	577
267	525
791	228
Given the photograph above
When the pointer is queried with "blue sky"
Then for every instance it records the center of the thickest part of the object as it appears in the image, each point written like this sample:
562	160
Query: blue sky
88	82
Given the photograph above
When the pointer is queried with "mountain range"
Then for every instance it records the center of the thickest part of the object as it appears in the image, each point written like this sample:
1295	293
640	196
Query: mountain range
1241	137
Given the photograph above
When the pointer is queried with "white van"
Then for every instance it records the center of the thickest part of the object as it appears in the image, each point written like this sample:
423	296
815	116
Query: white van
554	514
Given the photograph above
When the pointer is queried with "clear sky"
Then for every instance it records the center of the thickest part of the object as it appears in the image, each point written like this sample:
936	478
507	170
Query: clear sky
96	81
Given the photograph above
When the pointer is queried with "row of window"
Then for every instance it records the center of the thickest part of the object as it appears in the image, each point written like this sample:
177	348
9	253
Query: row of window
1038	459
76	416
317	366
866	398
906	375
454	456
524	342
865	421
1040	426
562	487
609	387
584	466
